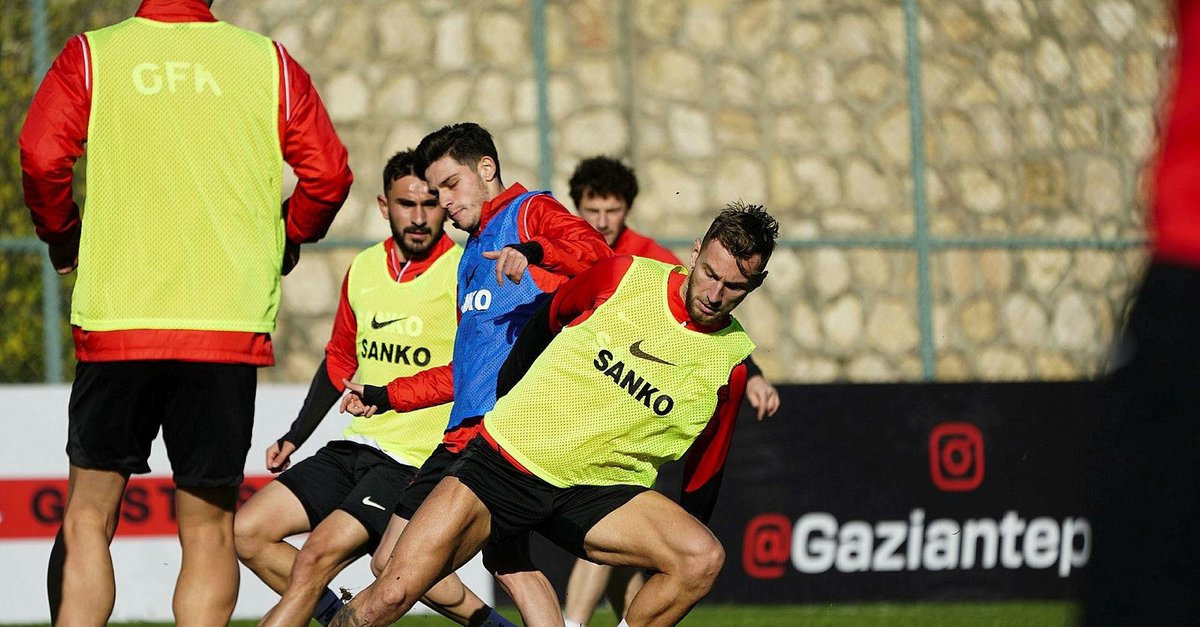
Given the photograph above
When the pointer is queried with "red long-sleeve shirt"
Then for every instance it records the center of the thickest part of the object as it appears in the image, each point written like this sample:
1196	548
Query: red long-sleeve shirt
577	299
630	242
1175	218
569	246
53	138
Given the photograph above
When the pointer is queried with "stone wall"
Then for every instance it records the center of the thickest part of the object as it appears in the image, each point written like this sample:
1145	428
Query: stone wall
1038	119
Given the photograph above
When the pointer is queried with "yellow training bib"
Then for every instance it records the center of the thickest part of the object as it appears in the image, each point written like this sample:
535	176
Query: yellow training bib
614	397
182	228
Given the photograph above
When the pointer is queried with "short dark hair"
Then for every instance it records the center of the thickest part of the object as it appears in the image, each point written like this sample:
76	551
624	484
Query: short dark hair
465	142
603	176
745	231
402	164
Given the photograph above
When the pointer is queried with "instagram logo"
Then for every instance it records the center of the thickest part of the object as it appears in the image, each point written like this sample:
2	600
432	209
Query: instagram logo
956	457
767	546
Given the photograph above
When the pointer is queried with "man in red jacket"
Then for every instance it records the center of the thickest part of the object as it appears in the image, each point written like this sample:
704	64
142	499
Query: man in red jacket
178	277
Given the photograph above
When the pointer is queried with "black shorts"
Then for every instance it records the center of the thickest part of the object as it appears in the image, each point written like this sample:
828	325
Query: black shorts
206	412
431	472
519	502
357	479
1145	561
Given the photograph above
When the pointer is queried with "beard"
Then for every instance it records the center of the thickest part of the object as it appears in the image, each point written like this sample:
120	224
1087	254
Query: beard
411	248
696	312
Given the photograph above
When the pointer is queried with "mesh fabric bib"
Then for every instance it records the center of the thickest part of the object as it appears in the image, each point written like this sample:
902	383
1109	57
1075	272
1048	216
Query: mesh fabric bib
614	397
182	226
403	328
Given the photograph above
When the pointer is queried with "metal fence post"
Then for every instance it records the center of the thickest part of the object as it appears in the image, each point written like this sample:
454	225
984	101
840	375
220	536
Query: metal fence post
51	296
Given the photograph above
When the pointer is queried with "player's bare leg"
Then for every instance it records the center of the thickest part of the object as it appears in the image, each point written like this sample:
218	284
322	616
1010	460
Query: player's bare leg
625	584
590	582
387	544
512	567
651	531
585	588
207	588
446	532
333	545
449	597
80	580
271	515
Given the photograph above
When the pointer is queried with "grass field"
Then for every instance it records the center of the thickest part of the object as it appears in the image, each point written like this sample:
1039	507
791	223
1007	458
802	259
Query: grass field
1043	614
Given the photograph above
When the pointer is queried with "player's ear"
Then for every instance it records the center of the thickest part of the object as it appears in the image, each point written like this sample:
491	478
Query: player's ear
383	208
486	168
695	251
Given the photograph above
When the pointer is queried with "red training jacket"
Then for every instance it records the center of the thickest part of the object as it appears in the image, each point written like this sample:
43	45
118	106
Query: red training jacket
1175	221
630	242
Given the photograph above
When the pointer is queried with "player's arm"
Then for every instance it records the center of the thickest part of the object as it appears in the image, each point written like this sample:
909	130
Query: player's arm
322	395
430	387
705	463
317	157
571	304
558	241
51	141
760	392
323	392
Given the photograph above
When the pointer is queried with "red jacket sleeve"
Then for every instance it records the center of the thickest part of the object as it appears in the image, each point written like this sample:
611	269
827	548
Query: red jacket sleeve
706	459
433	386
579	297
569	244
311	146
341	356
52	140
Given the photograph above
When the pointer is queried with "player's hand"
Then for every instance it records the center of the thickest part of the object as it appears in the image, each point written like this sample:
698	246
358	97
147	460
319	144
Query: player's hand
279	456
509	263
65	256
352	402
291	257
762	396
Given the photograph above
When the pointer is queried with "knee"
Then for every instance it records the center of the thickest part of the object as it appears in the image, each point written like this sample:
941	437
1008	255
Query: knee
248	539
314	563
394	594
700	562
80	520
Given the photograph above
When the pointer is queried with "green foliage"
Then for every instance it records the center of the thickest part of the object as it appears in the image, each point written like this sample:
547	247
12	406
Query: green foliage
21	323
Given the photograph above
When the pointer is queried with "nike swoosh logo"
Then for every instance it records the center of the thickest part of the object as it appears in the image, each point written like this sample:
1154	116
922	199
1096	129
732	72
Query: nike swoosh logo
635	349
368	502
376	324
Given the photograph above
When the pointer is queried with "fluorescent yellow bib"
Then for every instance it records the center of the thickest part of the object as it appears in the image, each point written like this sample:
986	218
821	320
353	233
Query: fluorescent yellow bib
614	397
403	328
182	227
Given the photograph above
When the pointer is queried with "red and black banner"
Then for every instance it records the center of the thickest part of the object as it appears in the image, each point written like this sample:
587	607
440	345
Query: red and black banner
903	492
33	508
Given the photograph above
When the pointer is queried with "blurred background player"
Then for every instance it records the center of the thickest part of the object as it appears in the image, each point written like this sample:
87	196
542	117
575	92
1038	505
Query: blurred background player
603	190
179	279
396	316
627	366
521	246
1145	565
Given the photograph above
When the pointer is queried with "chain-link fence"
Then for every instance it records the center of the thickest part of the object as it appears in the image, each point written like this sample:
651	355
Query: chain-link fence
958	184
